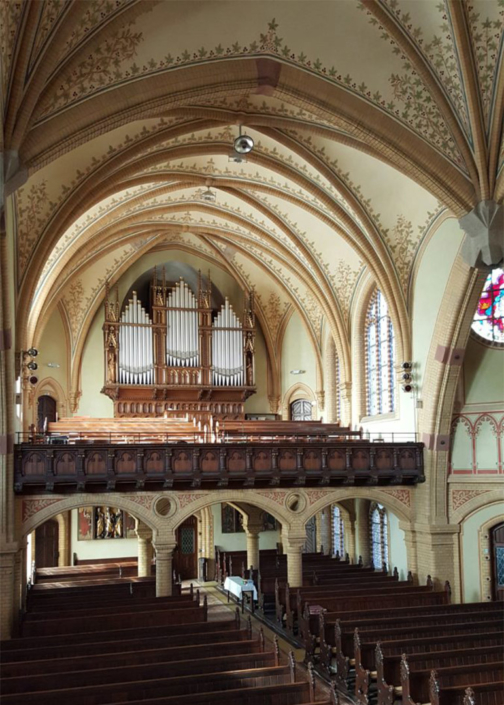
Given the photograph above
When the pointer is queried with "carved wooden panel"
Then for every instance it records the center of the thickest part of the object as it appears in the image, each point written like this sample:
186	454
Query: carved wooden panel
65	464
153	462
336	460
360	460
34	464
287	460
407	459
96	463
182	461
209	462
311	460
384	459
125	462
236	461
262	460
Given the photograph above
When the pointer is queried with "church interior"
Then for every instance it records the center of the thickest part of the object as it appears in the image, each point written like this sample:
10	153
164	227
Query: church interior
252	351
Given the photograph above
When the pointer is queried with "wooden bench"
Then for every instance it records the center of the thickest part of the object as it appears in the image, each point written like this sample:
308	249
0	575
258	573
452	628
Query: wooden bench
388	668
365	652
482	694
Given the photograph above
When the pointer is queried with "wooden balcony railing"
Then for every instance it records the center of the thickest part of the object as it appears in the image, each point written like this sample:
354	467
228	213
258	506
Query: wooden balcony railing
98	465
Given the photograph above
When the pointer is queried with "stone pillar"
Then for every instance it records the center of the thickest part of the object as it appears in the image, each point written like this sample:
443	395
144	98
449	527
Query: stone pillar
144	535
294	549
64	542
7	560
164	569
364	550
437	555
349	528
253	531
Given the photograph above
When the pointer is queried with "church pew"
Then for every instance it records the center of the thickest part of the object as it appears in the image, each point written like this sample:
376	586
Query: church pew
417	685
365	652
286	694
193	646
154	604
195	683
482	693
127	599
76	644
113	621
332	638
388	668
308	624
118	674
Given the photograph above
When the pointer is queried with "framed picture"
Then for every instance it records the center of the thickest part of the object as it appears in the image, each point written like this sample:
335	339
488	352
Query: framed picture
85	523
108	523
231	520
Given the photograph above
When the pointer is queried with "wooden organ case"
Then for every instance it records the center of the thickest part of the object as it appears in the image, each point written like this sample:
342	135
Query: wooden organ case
181	360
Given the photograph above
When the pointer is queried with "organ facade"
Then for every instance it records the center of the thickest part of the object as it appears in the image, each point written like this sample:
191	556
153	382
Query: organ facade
176	356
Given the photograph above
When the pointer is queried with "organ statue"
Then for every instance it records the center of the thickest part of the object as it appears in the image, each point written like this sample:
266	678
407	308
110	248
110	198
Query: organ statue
181	358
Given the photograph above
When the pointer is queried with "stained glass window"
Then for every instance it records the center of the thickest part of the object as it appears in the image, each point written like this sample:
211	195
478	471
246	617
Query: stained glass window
378	535
379	357
338	532
489	318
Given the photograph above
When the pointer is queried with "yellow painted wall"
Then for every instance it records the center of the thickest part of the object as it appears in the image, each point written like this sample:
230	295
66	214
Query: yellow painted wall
297	354
238	541
53	348
92	402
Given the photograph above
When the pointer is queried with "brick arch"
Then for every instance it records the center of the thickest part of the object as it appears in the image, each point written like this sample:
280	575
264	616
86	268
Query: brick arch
393	504
275	507
480	500
53	507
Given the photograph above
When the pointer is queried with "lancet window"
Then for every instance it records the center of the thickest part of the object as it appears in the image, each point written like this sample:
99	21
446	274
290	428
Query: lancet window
378	522
338	532
379	336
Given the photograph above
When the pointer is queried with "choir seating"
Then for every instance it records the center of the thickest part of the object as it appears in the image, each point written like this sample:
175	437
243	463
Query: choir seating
122	655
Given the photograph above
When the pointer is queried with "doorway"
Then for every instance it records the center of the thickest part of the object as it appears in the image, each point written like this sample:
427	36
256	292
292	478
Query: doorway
186	554
46	544
497	548
46	412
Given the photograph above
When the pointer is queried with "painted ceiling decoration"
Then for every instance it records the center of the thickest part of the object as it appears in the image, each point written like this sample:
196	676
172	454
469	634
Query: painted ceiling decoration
372	122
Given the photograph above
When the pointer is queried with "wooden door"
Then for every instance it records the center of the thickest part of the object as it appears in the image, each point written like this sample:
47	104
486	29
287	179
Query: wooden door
46	545
497	547
46	409
301	410
186	553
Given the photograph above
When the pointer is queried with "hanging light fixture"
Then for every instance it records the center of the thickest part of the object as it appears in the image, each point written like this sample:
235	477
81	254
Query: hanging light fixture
243	144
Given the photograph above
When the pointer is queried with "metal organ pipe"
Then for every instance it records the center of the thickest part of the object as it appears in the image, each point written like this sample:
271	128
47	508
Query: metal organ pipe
227	348
182	335
136	360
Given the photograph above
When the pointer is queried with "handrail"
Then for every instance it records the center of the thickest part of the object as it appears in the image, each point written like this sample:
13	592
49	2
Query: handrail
121	438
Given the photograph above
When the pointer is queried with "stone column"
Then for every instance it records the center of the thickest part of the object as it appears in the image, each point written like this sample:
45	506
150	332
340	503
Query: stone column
164	564
144	535
294	549
7	560
253	531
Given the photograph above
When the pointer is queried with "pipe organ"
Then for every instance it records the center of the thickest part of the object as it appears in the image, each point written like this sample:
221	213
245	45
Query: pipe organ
180	358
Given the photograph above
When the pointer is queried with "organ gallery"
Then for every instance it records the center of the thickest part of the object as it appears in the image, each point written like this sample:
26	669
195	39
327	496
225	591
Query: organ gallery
175	354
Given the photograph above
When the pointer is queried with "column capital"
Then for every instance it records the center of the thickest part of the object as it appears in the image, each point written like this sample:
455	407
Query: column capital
143	531
164	550
483	227
294	543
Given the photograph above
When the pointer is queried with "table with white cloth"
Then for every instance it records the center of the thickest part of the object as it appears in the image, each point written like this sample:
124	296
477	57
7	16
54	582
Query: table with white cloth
238	587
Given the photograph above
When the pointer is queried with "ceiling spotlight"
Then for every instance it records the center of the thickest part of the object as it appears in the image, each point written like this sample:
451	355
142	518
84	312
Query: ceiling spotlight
208	195
243	144
32	352
407	365
32	366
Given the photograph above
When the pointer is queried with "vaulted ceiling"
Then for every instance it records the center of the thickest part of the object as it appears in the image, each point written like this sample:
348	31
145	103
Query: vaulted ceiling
371	122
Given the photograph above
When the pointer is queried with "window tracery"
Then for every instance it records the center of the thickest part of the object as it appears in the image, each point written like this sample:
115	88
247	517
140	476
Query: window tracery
379	336
378	524
338	532
488	322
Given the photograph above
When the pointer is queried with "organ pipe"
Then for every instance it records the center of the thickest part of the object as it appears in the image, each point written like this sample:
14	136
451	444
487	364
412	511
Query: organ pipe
183	323
136	361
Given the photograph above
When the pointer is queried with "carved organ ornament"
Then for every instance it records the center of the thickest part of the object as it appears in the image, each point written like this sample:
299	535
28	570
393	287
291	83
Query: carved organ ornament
181	358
